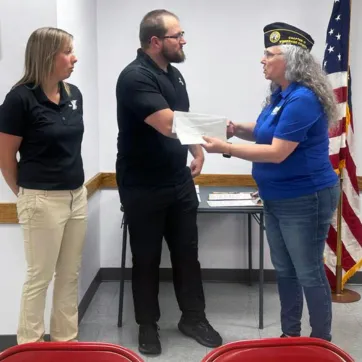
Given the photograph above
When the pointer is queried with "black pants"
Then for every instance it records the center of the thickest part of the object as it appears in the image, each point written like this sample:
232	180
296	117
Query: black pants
154	213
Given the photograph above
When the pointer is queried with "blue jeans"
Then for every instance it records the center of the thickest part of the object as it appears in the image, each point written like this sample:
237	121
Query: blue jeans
296	230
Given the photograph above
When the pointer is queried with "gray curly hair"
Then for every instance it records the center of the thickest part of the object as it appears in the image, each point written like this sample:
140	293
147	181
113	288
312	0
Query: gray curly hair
303	68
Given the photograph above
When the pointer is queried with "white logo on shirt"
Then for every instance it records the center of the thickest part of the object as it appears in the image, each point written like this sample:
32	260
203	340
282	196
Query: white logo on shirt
73	104
275	111
180	80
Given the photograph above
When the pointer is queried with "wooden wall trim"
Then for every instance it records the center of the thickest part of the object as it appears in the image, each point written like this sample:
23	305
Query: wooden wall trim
8	213
224	180
107	180
94	184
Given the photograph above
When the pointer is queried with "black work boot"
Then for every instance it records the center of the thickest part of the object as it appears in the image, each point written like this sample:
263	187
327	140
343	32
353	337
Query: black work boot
148	339
200	330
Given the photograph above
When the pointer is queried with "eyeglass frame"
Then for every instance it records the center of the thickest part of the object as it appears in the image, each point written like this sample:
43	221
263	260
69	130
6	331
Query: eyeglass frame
177	36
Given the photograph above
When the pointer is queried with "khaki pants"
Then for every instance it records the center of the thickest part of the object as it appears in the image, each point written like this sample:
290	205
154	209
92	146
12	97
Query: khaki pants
54	227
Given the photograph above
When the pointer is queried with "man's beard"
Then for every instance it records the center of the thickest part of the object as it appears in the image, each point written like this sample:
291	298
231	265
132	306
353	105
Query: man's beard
174	57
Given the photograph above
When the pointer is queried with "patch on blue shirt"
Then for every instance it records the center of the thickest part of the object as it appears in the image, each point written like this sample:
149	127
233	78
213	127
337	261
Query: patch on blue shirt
275	111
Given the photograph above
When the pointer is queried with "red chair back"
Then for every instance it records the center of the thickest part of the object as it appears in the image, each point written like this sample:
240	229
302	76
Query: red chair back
279	349
69	352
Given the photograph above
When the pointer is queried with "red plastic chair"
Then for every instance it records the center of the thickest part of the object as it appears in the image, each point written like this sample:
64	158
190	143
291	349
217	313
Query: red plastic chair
69	352
301	349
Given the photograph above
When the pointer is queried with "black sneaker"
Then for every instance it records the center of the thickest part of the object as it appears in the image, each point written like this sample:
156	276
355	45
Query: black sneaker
148	339
287	336
201	331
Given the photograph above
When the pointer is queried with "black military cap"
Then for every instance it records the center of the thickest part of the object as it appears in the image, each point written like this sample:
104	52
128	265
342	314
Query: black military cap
282	33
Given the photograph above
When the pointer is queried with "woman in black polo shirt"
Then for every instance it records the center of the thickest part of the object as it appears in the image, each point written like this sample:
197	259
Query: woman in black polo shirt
42	118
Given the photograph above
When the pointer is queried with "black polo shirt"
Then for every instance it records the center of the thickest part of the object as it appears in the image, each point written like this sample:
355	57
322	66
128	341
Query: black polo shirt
145	156
50	151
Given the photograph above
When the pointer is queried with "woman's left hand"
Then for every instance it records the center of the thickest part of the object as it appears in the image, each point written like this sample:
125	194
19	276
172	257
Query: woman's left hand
215	145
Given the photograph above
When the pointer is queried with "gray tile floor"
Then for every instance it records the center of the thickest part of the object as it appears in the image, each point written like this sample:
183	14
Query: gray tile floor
231	308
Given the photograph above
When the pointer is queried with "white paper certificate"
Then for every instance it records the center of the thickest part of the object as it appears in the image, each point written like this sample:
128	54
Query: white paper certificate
190	127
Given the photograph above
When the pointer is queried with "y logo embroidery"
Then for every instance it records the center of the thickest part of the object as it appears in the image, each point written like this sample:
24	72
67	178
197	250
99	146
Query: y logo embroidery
275	111
180	80
73	104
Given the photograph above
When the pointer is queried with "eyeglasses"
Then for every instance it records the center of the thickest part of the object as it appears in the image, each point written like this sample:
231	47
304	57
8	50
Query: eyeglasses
178	36
269	55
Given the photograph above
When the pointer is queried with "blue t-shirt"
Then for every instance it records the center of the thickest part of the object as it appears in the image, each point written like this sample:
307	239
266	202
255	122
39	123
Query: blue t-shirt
297	115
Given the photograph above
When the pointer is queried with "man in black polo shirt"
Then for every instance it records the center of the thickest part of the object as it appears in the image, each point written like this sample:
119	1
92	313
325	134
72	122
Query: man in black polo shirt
155	185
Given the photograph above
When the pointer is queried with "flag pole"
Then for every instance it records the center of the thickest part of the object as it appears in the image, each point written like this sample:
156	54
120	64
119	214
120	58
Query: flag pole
340	294
339	237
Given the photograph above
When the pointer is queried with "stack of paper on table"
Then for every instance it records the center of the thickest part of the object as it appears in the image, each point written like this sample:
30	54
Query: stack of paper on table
232	199
190	127
230	196
226	203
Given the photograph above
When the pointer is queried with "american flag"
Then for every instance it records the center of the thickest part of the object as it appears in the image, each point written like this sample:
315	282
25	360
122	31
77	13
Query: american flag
342	142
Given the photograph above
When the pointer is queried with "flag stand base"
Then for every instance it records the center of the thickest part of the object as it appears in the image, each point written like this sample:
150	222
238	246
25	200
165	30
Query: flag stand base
346	296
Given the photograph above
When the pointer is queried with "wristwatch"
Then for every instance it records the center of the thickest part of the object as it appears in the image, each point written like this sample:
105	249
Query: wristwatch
227	155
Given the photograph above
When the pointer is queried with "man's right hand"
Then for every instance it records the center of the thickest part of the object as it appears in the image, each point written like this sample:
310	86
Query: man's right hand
230	129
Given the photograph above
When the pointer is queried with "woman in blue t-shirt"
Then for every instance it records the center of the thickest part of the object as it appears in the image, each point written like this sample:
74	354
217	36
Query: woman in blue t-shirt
291	167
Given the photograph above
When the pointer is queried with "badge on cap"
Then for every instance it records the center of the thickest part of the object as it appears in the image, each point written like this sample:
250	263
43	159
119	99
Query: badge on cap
274	36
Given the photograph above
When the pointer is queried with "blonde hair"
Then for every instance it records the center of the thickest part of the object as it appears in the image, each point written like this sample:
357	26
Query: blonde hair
41	49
